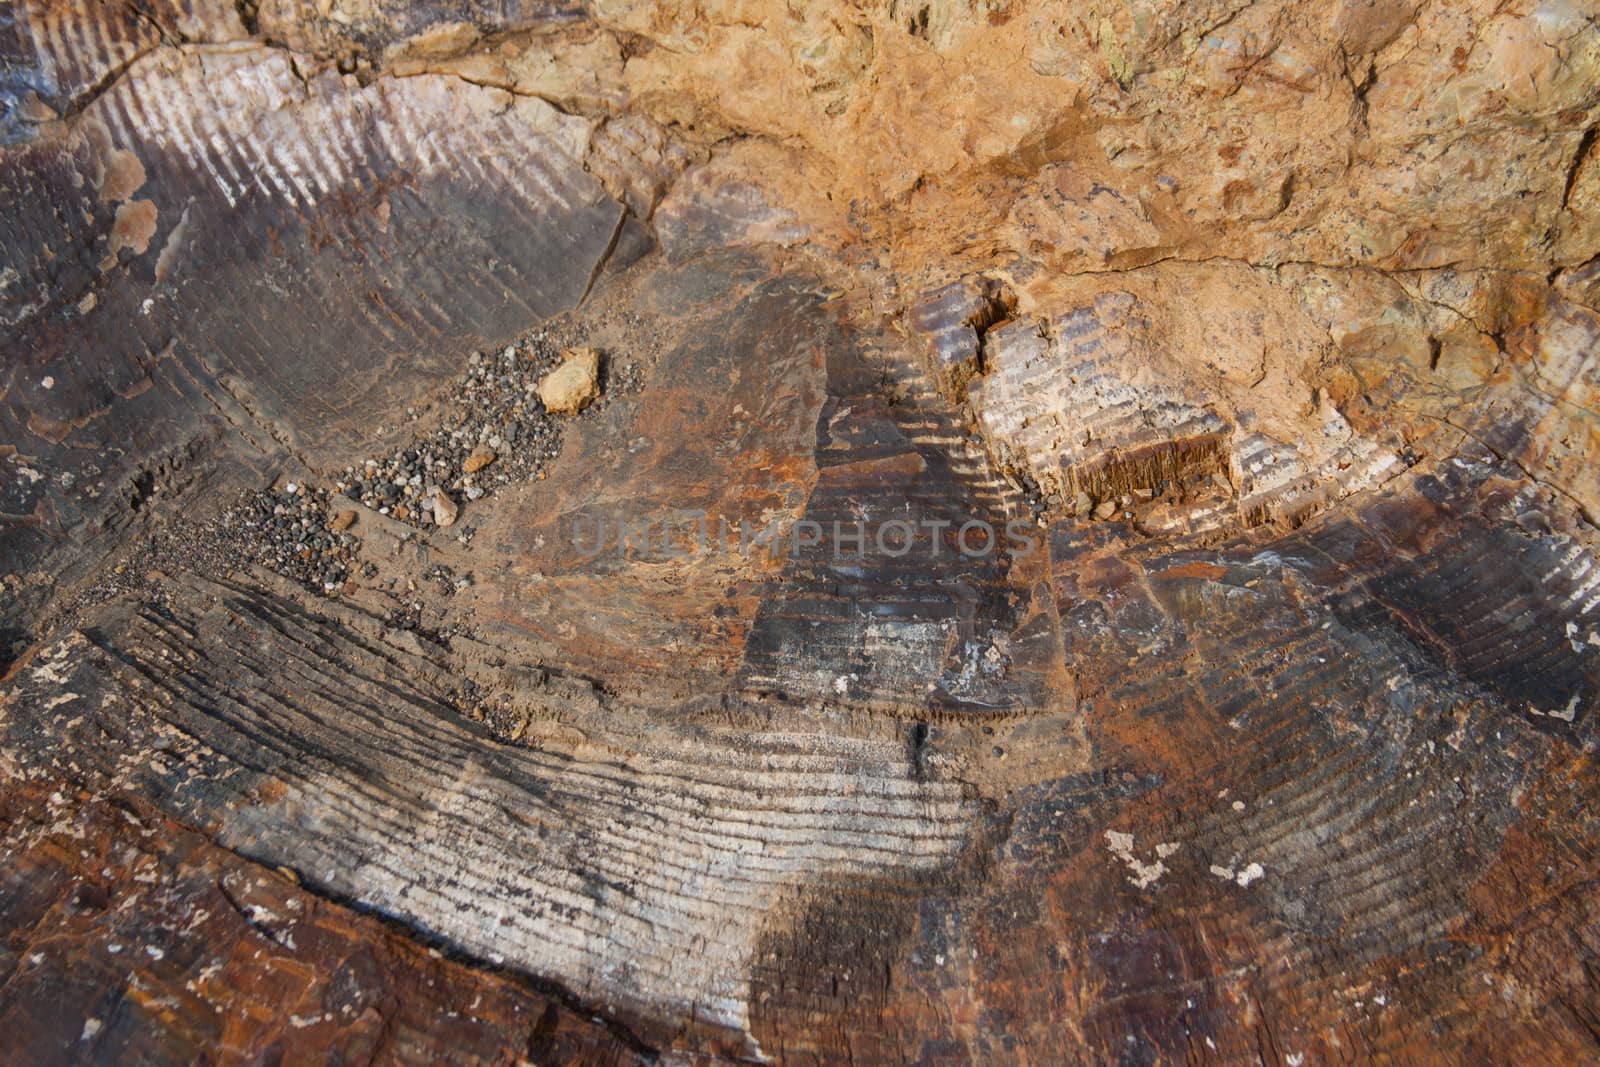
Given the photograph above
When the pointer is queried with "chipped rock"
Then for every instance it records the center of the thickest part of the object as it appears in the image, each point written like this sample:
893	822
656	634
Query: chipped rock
481	457
445	510
572	386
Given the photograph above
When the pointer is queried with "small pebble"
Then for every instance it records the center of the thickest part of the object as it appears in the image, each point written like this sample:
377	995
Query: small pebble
572	386
445	510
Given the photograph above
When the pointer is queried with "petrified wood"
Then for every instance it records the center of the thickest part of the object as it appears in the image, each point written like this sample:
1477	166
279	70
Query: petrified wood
356	708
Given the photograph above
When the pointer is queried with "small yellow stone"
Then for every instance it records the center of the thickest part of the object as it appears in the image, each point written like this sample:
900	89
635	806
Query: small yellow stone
572	386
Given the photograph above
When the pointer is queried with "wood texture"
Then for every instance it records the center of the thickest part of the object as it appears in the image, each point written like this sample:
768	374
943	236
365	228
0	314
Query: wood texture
1277	745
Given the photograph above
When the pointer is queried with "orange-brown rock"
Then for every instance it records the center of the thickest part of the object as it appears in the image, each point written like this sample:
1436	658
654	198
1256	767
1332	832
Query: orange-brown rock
127	937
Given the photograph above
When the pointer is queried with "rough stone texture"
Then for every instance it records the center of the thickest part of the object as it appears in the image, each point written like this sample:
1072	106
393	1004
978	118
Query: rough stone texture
127	938
286	226
573	385
1265	335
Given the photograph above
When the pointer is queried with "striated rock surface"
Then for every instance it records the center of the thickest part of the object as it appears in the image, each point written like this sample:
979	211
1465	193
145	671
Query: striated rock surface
1082	547
130	938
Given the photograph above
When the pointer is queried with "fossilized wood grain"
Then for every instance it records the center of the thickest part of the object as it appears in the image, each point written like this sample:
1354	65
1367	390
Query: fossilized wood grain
129	931
1313	849
646	866
1324	747
1280	750
637	868
57	57
1324	765
178	273
1141	397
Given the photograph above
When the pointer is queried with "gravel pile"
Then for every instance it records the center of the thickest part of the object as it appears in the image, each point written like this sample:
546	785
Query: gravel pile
298	531
494	432
497	432
493	710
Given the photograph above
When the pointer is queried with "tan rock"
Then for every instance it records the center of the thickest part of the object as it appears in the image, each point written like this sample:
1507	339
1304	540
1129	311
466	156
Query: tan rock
438	40
343	521
572	386
481	457
445	510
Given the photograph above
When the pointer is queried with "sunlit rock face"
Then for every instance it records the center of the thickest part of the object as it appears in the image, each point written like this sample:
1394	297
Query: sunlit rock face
1077	543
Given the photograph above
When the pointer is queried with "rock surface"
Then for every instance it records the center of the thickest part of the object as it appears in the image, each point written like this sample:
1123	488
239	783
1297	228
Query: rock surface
1263	338
131	939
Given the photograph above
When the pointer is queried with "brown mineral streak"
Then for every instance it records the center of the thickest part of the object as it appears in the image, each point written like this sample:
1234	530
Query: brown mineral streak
1275	326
